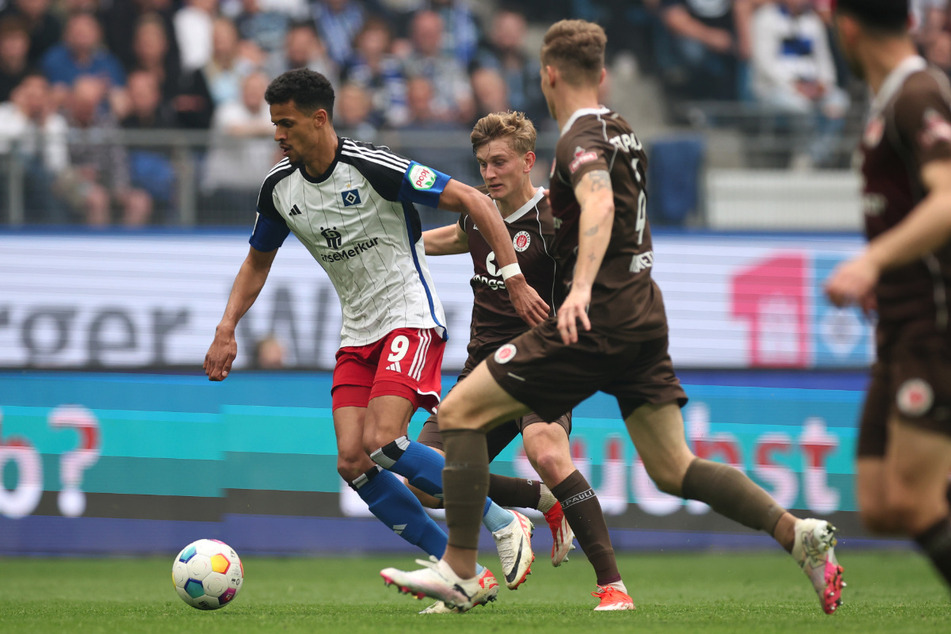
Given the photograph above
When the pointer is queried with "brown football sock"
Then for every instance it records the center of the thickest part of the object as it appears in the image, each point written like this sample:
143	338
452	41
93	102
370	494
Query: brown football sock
465	481
936	544
520	492
583	512
732	494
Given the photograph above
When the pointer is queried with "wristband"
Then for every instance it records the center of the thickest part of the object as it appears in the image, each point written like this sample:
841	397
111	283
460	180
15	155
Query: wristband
509	270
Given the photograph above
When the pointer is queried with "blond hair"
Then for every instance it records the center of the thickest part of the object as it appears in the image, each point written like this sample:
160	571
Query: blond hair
514	126
576	48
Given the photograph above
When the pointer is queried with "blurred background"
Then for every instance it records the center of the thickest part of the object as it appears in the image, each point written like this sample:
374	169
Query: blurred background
133	140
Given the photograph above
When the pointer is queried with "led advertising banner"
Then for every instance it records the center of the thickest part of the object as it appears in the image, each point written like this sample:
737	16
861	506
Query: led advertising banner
130	300
117	462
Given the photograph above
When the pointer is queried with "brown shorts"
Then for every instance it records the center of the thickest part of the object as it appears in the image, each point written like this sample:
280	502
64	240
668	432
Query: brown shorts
498	437
551	378
910	381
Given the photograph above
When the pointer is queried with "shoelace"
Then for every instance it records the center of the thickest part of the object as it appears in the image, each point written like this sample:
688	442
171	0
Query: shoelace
507	555
605	592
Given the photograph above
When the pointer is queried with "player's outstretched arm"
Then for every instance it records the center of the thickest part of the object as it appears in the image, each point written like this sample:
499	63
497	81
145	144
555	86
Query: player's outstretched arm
460	197
925	229
596	197
446	240
247	285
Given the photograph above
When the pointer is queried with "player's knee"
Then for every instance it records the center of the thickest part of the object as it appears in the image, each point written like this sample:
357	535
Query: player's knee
552	465
450	414
349	473
350	467
667	475
375	439
668	483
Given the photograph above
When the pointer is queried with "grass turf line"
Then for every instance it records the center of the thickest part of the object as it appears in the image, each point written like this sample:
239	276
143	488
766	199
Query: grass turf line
674	593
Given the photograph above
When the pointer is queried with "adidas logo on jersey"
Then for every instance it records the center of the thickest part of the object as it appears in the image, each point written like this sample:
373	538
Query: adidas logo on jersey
295	211
394	367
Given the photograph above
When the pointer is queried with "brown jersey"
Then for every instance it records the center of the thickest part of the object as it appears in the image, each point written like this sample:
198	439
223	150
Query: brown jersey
908	126
494	320
625	301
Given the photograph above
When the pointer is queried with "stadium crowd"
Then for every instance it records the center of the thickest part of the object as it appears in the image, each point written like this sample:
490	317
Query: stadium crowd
79	78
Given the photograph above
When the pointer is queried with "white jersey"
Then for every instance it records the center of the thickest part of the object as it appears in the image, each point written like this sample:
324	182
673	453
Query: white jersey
359	222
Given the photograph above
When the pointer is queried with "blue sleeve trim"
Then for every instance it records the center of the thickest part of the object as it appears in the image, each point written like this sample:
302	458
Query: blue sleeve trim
422	185
414	233
268	234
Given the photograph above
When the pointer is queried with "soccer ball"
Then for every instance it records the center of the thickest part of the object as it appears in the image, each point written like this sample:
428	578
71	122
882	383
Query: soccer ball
207	574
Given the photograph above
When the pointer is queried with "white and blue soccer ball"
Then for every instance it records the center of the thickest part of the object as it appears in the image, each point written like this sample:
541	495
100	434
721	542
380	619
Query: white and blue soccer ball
208	574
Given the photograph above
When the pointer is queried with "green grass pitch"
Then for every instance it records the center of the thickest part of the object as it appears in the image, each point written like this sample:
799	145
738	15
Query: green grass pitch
674	592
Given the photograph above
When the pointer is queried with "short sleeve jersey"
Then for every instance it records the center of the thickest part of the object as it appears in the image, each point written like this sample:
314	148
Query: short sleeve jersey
909	125
359	222
494	320
625	301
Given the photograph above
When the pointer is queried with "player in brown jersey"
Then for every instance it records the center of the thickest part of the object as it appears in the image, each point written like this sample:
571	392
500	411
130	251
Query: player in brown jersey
610	334
504	146
904	444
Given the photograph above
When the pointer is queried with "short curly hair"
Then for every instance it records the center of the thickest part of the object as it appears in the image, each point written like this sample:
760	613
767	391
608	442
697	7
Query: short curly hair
514	126
576	48
309	90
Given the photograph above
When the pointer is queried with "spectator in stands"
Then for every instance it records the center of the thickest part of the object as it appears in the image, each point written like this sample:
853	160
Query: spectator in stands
930	19
938	51
30	126
842	71
543	12
218	81
150	166
426	134
490	92
118	16
192	103
293	9
303	48
506	53
242	149
462	33
706	48
14	48
266	28
82	54
452	101
98	176
44	27
226	69
147	109
794	73
69	7
269	354
152	52
630	25
193	25
353	113
338	22
380	73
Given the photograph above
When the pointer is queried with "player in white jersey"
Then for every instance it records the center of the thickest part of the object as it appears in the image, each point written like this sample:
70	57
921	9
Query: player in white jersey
352	205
